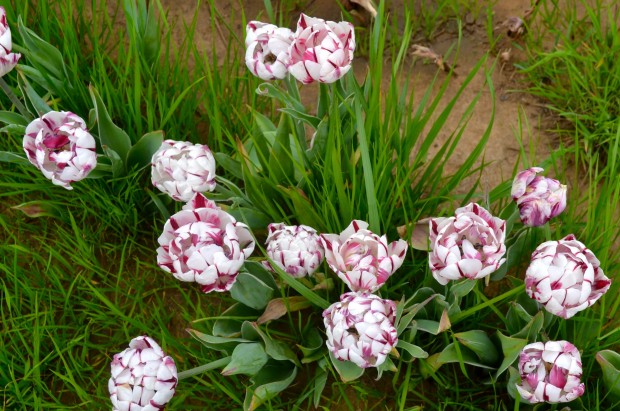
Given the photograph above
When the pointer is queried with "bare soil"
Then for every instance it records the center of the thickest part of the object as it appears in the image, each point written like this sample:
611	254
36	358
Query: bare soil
502	149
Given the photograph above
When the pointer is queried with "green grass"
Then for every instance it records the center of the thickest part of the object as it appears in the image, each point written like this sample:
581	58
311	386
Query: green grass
78	285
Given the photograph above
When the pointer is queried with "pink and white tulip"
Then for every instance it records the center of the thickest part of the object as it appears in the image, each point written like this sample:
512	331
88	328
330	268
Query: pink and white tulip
204	244
321	50
267	50
8	60
362	259
59	145
143	378
295	249
550	372
182	169
539	198
469	245
360	328
565	277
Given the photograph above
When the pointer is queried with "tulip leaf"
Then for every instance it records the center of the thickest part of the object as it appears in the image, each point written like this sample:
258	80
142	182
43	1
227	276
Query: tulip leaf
278	307
9	157
270	90
479	342
610	364
247	359
511	347
312	349
280	160
228	323
462	288
347	370
251	291
277	350
514	379
272	379
254	219
15	129
38	208
109	133
41	53
320	379
460	354
115	160
37	104
10	117
224	344
413	350
248	331
141	153
232	167
531	330
434	327
301	116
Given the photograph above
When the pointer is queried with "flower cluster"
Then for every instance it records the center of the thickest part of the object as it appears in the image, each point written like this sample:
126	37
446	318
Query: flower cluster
319	50
8	60
143	377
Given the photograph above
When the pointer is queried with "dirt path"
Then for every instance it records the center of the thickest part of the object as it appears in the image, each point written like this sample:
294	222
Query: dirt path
502	150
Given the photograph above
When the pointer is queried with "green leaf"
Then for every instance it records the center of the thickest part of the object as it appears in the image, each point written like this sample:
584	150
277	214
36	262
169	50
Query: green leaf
39	106
251	291
115	161
271	380
280	159
228	323
460	354
247	358
9	157
277	350
369	184
413	350
479	342
312	349
610	364
217	343
41	53
15	129
39	208
347	370
233	167
141	153
532	329
10	117
255	219
109	133
320	379
462	288
301	116
310	295
278	307
511	347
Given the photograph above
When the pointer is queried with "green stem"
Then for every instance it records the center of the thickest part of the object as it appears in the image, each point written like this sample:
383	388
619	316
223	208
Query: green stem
464	314
18	104
207	367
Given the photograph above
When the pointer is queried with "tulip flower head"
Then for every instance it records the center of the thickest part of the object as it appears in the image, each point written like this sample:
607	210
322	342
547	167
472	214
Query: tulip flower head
362	259
295	249
59	145
8	60
468	245
143	377
182	169
360	328
204	244
321	50
267	50
565	277
550	372
539	198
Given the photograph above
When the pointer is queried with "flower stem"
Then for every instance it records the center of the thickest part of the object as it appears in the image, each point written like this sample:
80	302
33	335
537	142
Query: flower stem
464	314
222	362
18	104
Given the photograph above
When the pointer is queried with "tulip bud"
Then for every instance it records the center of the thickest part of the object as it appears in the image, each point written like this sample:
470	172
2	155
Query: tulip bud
182	169
143	377
321	50
468	245
59	145
360	328
550	372
8	60
565	277
362	259
295	249
267	50
539	198
205	245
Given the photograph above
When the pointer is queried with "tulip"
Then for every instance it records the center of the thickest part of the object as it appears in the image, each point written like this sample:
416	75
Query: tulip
204	244
295	249
321	50
550	372
539	198
360	328
267	50
59	145
182	169
468	245
143	378
565	277
362	259
8	60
